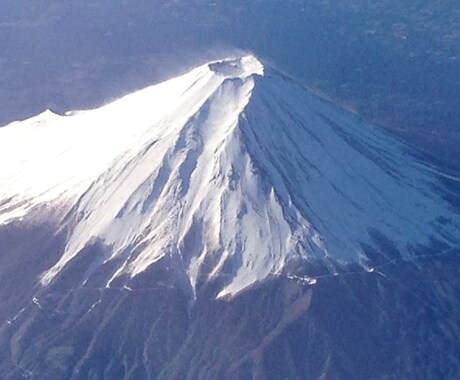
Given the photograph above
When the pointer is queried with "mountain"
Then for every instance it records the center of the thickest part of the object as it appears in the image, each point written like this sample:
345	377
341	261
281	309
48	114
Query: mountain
396	64
224	224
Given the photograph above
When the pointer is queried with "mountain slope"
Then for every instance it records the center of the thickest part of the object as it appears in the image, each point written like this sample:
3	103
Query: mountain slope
224	224
226	173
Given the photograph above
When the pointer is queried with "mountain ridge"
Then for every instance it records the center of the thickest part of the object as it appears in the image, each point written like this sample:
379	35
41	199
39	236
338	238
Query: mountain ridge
234	175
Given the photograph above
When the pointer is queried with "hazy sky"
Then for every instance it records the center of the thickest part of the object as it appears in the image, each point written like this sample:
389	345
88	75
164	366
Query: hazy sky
394	62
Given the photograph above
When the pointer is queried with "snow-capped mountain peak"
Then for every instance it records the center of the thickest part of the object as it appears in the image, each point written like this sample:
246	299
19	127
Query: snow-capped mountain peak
240	67
223	172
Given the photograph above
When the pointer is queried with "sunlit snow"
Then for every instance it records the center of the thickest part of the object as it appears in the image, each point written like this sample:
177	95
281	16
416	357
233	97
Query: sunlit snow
227	172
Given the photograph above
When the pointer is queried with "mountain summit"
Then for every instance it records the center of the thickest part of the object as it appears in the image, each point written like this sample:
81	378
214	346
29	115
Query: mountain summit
229	172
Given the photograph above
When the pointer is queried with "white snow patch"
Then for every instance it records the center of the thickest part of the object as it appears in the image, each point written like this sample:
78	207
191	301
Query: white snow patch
36	302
